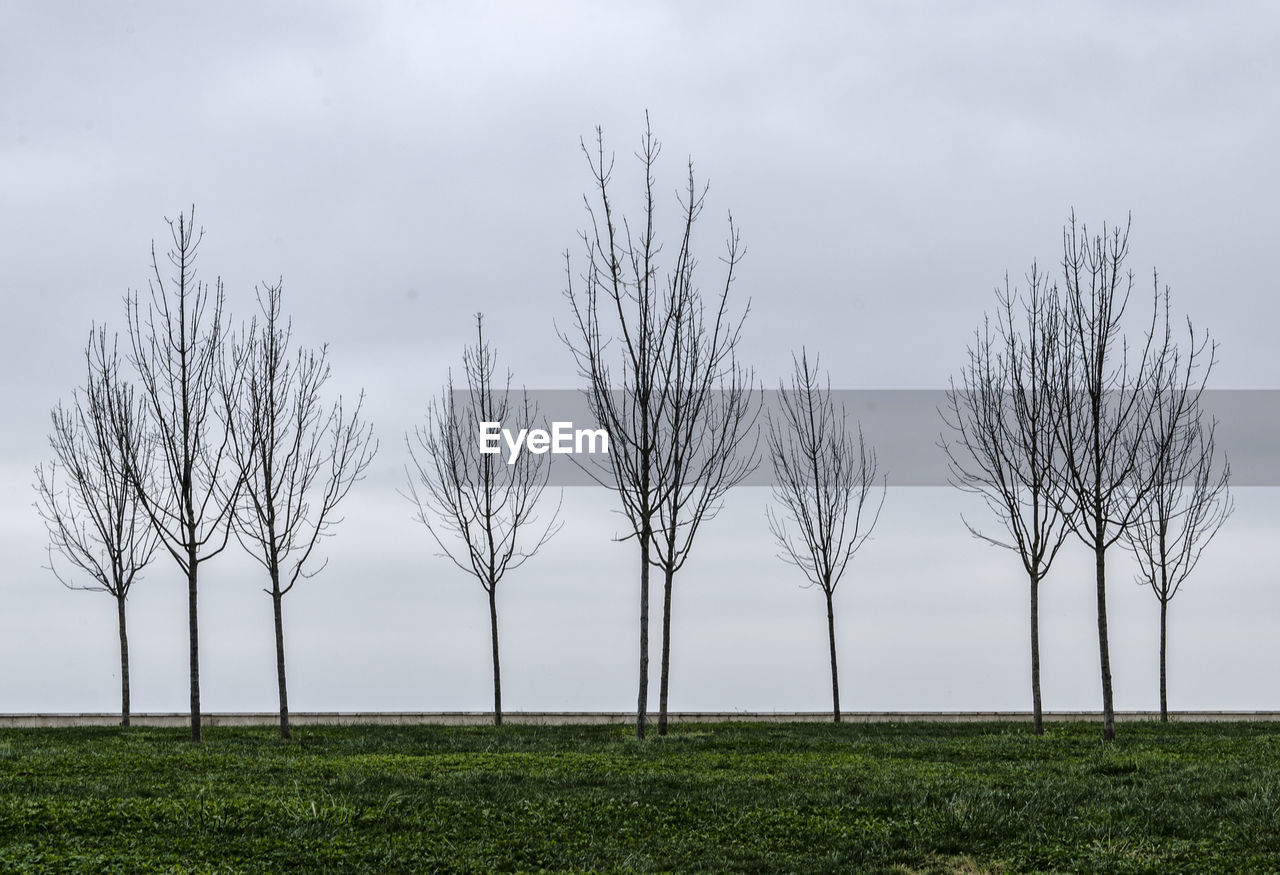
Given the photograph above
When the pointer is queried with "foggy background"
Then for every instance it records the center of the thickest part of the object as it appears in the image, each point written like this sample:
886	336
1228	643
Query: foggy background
403	166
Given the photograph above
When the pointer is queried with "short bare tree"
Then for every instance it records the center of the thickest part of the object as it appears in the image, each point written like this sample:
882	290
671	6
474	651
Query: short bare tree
825	481
300	456
627	317
1002	420
92	514
178	341
1188	499
481	509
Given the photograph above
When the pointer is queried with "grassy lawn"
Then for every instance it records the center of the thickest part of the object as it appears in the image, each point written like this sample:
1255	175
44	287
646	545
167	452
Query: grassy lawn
741	797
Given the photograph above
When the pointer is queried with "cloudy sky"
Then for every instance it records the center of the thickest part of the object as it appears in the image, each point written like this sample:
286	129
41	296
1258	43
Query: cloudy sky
403	166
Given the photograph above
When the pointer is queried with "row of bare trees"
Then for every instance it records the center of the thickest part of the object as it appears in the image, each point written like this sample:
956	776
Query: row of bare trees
660	364
207	435
1059	420
1064	424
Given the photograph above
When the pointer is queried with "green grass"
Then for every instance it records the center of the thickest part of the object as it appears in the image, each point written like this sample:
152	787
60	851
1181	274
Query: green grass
736	797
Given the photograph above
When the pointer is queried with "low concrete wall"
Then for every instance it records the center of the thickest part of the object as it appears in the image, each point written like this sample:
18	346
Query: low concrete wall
563	718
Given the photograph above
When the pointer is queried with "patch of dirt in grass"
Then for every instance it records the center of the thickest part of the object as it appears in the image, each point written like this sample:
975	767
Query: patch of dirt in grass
947	865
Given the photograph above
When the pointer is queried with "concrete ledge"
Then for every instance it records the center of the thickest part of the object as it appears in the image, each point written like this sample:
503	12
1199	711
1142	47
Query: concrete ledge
567	718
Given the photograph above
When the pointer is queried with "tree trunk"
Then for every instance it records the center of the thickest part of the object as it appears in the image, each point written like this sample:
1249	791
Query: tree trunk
1037	713
642	701
497	671
835	679
124	663
666	651
276	601
1104	650
1164	638
194	627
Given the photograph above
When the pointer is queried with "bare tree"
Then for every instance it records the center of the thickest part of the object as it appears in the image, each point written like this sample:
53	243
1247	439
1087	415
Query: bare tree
623	300
1002	421
1188	500
707	432
1107	402
92	515
825	480
481	510
299	454
178	341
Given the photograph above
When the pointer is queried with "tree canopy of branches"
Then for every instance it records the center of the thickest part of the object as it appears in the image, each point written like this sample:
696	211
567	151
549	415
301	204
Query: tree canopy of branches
669	392
481	510
825	481
1002	420
300	457
1108	399
1188	500
92	514
178	342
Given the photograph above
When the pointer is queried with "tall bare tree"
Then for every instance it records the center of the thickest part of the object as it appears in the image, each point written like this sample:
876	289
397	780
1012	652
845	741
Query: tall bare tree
1188	500
707	433
1002	420
178	342
627	315
481	509
825	480
92	514
300	455
1107	404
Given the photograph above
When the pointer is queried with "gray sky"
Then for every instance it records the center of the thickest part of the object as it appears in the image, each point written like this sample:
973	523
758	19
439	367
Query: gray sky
405	165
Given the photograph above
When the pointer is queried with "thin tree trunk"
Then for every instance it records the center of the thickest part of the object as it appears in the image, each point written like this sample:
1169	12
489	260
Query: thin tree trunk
1038	714
666	651
194	627
642	701
497	671
1104	650
1164	632
277	603
835	679
124	663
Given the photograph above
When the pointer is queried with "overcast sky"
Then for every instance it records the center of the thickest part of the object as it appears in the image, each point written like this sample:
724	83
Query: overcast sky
403	166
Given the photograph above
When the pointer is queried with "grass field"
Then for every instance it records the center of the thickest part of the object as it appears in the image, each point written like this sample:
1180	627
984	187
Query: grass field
739	797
